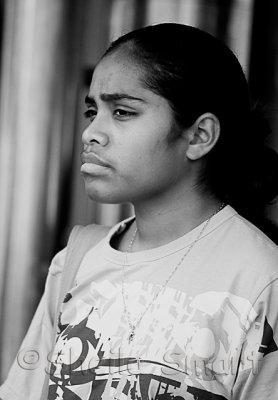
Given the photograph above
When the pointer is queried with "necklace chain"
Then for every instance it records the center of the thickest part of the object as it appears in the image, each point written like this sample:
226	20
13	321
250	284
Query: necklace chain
133	326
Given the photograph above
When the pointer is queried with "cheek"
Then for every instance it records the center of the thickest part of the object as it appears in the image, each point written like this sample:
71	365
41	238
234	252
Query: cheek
141	161
143	153
149	146
147	170
149	158
131	154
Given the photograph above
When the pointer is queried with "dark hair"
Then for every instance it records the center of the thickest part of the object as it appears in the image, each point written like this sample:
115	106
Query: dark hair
197	73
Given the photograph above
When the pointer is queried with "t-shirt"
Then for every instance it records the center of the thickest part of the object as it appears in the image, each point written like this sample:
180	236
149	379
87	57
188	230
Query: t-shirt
209	333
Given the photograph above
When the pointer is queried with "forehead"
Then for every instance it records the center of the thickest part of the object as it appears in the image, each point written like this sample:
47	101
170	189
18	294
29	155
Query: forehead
115	73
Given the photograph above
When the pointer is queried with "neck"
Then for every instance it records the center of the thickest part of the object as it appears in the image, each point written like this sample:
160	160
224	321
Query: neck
160	222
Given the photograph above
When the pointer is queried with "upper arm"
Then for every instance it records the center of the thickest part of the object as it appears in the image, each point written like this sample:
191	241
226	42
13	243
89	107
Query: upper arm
258	369
27	374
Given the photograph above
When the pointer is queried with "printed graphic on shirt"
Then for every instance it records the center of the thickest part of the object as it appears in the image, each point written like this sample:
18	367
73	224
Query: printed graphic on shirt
184	347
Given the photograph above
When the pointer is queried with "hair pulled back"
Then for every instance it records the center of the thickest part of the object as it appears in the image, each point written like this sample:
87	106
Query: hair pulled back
197	73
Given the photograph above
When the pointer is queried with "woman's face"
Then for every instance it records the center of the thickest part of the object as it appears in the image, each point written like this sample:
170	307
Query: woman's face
127	156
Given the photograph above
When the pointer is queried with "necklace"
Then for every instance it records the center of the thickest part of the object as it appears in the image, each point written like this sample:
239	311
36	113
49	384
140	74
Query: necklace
134	325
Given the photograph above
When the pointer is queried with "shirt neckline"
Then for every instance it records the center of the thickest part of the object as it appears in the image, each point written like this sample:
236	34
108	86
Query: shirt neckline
119	257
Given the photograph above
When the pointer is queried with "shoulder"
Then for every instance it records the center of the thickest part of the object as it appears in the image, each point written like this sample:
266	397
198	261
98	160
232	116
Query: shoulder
91	231
253	241
58	262
244	259
81	236
249	253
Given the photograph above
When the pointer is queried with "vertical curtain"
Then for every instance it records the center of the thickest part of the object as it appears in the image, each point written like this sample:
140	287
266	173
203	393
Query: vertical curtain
31	119
230	21
263	71
45	45
180	11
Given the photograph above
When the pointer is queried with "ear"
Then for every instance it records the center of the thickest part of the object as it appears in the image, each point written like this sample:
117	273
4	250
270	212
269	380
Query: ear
202	136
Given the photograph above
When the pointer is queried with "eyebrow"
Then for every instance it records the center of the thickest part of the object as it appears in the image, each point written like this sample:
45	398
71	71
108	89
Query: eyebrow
109	97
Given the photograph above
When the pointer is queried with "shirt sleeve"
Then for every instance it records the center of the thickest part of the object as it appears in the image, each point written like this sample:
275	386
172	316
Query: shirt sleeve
27	374
258	368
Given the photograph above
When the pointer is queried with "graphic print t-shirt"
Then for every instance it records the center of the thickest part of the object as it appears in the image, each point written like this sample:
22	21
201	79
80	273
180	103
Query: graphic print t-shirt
210	333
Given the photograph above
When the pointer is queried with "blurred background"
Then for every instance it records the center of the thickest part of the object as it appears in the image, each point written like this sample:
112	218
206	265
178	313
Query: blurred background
48	49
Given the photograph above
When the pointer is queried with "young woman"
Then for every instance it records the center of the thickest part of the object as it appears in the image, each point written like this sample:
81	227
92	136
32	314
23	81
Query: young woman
179	301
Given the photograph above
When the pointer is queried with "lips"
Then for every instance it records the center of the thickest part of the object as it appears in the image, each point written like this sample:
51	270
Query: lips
92	158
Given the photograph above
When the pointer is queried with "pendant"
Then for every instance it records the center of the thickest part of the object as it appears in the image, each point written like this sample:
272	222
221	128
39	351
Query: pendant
132	334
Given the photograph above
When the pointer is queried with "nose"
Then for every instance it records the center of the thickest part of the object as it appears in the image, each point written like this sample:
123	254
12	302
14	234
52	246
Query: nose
95	133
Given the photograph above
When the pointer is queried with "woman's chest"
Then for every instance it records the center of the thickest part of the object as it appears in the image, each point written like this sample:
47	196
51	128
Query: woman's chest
180	341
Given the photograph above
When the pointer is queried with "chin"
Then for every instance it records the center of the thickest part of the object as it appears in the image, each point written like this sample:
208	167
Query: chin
109	192
102	196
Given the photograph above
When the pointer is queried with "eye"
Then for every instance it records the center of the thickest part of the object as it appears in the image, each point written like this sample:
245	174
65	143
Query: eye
90	114
123	115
